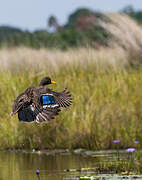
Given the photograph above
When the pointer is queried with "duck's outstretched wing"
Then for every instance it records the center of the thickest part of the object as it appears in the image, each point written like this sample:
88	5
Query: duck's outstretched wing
63	98
50	103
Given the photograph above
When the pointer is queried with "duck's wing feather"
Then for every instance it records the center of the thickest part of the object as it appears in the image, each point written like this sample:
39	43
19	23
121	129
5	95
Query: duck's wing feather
46	114
63	98
23	100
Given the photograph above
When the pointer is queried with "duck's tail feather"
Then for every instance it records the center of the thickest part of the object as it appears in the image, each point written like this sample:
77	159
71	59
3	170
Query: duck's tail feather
26	115
31	114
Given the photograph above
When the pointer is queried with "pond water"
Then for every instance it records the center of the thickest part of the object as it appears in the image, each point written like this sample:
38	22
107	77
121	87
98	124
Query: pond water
54	165
23	165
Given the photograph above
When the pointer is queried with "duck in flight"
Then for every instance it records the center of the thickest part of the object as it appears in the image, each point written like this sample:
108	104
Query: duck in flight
40	104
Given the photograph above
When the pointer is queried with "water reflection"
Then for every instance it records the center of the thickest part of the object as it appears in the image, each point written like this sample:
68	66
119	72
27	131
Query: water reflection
22	166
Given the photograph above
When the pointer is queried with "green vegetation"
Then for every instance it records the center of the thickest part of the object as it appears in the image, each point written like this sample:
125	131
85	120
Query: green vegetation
64	39
106	93
82	29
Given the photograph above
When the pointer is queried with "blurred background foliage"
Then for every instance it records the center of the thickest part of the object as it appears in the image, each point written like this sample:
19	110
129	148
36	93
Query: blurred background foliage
82	29
137	15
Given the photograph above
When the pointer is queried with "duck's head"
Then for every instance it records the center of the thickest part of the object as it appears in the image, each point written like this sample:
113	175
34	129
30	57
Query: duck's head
46	81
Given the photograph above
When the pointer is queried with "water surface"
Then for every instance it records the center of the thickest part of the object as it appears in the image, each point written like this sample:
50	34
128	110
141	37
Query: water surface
22	165
57	165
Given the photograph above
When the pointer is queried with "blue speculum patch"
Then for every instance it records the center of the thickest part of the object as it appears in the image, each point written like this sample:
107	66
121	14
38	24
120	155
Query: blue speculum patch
47	99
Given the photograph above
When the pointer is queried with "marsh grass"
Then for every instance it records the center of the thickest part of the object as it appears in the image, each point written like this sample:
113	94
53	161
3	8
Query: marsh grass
128	165
106	98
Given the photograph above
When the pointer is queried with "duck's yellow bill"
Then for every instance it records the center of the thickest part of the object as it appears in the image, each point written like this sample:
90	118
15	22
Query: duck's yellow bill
53	82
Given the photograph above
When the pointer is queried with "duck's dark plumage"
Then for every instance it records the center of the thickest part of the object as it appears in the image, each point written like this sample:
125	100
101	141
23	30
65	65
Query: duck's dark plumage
40	104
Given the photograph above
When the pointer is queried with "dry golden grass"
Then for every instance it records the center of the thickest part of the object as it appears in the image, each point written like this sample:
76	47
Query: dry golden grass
17	59
127	33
